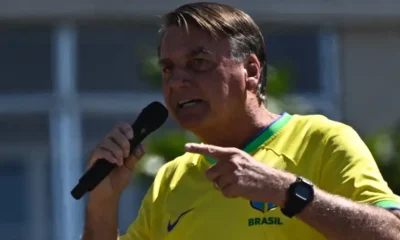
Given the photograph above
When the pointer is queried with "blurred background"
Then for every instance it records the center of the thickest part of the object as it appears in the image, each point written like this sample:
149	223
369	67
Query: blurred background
69	70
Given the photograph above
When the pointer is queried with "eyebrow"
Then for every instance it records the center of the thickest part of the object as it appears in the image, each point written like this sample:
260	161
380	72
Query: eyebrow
192	53
199	50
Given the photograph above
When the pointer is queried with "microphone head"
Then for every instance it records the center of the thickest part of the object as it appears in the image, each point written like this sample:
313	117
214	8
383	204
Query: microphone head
151	118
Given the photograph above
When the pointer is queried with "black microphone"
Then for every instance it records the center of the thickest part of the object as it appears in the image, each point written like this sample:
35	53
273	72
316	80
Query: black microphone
150	119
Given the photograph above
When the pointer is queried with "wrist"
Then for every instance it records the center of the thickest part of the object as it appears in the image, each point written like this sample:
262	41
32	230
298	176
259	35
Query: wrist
298	196
282	194
101	219
96	198
102	205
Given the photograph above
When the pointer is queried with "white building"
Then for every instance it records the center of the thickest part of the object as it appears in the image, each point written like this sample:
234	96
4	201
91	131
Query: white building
67	66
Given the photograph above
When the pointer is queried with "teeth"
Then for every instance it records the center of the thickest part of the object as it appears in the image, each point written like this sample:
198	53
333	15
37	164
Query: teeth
184	102
187	103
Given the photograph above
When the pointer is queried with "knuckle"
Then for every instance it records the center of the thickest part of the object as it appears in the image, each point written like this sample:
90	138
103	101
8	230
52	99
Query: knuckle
112	135
234	177
126	145
117	138
108	156
115	134
233	150
233	164
106	145
119	152
210	150
226	193
96	154
100	154
138	152
100	148
123	126
119	124
236	155
236	173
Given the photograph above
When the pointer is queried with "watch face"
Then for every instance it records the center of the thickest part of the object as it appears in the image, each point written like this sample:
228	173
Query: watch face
303	192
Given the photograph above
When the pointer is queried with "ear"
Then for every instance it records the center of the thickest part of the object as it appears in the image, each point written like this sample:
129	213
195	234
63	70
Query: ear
253	69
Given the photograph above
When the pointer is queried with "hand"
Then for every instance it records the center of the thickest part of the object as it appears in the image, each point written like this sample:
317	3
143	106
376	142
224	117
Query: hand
237	174
115	148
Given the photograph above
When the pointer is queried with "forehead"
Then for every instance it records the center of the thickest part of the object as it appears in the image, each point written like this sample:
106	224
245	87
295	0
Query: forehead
177	42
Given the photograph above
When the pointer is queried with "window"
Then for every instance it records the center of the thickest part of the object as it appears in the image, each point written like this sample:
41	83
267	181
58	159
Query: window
108	58
13	203
25	205
24	176
300	54
298	50
309	54
18	128
25	59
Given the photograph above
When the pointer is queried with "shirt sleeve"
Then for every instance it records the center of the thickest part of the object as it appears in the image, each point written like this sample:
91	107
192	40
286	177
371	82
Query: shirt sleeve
139	229
148	218
349	170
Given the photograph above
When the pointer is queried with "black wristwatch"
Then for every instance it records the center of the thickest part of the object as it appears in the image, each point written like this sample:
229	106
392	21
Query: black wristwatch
299	195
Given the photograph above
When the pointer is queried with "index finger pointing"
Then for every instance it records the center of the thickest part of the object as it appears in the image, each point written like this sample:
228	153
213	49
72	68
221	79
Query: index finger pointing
208	150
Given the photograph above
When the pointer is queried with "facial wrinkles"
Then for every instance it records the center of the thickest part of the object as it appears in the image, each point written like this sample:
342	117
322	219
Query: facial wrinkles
220	86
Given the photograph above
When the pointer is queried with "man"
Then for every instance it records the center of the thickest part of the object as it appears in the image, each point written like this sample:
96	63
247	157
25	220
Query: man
258	175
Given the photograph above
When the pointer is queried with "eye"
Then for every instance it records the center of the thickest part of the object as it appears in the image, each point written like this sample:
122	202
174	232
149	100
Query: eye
200	64
198	61
165	69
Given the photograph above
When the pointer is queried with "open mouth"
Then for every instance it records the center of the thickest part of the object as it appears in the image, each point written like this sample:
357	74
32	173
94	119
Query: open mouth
189	103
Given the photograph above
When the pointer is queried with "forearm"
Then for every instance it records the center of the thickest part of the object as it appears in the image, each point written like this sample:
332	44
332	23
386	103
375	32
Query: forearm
339	218
101	221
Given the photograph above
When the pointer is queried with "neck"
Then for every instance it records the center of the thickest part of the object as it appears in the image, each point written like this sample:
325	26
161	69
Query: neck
238	131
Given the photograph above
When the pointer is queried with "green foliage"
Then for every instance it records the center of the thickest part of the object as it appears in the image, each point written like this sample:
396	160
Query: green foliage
385	147
162	147
150	71
279	81
170	143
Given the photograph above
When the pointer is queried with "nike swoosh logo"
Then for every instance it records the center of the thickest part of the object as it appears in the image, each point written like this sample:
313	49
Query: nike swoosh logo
172	226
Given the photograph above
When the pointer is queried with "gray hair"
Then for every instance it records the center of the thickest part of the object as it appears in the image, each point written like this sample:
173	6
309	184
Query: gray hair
222	20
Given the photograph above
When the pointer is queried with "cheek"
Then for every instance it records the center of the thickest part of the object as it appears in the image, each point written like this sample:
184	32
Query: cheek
215	86
166	94
221	90
233	86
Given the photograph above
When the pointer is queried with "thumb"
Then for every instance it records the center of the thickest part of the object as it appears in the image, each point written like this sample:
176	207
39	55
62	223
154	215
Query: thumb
131	161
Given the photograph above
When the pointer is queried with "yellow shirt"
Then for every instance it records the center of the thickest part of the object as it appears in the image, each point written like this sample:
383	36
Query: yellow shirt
183	204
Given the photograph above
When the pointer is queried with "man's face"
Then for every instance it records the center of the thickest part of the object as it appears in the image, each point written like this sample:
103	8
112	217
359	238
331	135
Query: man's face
202	86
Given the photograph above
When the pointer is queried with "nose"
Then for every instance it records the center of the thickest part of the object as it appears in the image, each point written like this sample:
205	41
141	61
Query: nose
179	79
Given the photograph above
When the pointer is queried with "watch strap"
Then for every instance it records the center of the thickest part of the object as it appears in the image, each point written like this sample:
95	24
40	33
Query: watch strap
295	204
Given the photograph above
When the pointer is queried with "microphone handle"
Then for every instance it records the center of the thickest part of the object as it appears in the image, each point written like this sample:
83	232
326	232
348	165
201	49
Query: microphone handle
101	169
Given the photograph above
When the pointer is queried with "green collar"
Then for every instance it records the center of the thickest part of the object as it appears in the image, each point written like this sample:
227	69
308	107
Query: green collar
263	136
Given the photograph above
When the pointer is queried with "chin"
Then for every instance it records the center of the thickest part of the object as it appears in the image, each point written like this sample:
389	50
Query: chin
193	118
193	124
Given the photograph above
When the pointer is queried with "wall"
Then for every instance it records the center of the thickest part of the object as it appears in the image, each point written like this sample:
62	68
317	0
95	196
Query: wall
370	60
289	10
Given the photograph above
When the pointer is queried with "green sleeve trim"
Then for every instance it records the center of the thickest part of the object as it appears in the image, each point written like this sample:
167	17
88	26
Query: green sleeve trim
388	204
